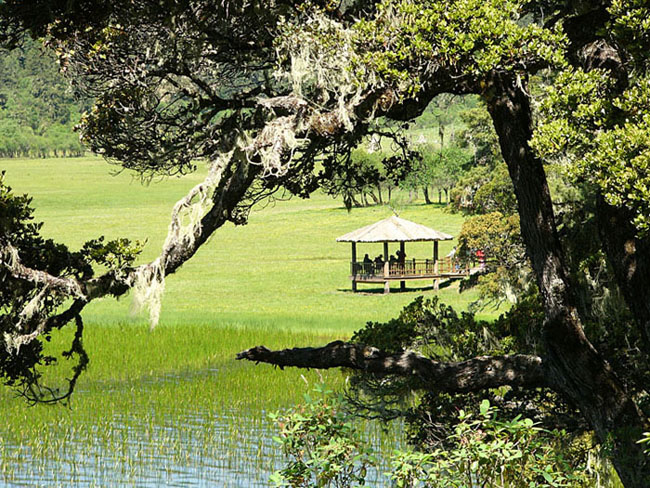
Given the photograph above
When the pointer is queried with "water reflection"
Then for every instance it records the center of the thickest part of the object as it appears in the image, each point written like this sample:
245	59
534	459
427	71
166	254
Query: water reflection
172	454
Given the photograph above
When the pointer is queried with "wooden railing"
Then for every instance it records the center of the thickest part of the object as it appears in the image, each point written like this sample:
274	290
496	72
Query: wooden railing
367	269
410	267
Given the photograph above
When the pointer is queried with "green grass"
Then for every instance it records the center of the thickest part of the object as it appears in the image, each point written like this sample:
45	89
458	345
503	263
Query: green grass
281	281
284	269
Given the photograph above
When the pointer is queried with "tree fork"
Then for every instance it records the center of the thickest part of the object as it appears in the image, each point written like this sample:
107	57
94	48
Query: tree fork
578	372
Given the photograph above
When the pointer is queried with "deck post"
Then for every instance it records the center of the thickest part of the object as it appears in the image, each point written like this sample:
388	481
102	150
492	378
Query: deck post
436	282
354	263
402	284
386	269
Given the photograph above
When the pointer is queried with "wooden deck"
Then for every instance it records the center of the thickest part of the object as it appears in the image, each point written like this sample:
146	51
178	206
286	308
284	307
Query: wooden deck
411	269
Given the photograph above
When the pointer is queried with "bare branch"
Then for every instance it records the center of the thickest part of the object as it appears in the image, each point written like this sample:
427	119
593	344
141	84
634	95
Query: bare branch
466	376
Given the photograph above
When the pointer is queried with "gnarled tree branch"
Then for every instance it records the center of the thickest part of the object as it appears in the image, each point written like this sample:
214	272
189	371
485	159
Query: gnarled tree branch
474	374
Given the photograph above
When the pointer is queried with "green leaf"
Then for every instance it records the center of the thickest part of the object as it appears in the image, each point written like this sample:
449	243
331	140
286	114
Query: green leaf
485	407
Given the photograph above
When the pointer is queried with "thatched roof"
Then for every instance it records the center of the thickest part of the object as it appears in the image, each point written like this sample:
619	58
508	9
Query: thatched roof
394	229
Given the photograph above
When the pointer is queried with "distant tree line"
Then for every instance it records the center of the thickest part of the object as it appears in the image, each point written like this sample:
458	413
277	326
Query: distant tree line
38	111
449	155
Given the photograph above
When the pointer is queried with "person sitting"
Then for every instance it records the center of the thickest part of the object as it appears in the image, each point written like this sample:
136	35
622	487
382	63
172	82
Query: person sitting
401	256
454	264
367	265
452	253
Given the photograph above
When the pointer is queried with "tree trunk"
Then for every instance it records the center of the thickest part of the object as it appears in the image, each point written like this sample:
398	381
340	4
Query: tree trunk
577	370
439	196
381	199
425	190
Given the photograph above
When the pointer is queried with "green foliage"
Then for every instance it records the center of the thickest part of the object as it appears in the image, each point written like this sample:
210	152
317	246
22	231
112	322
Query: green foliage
439	332
488	451
505	270
399	333
487	186
480	135
324	445
645	440
25	300
408	39
445	113
324	449
631	26
597	125
497	194
354	176
19	231
483	190
115	255
438	168
37	108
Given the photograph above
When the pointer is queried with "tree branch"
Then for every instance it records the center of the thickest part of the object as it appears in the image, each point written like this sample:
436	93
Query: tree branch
453	377
10	259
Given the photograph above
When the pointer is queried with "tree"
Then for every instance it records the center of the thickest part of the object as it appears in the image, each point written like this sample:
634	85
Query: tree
486	187
583	376
357	174
449	163
264	90
506	271
440	164
439	168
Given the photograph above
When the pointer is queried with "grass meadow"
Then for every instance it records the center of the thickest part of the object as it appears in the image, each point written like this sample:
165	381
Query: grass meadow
171	403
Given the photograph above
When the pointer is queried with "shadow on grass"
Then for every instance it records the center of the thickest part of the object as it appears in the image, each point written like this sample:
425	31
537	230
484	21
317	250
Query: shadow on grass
396	289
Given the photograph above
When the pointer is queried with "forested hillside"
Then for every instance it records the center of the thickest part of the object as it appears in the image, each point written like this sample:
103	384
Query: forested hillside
37	109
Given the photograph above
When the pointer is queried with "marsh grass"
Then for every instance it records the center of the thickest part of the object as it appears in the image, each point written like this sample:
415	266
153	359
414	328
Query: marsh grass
171	403
156	406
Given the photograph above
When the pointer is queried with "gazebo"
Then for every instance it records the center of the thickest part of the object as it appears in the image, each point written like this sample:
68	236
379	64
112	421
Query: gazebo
395	229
